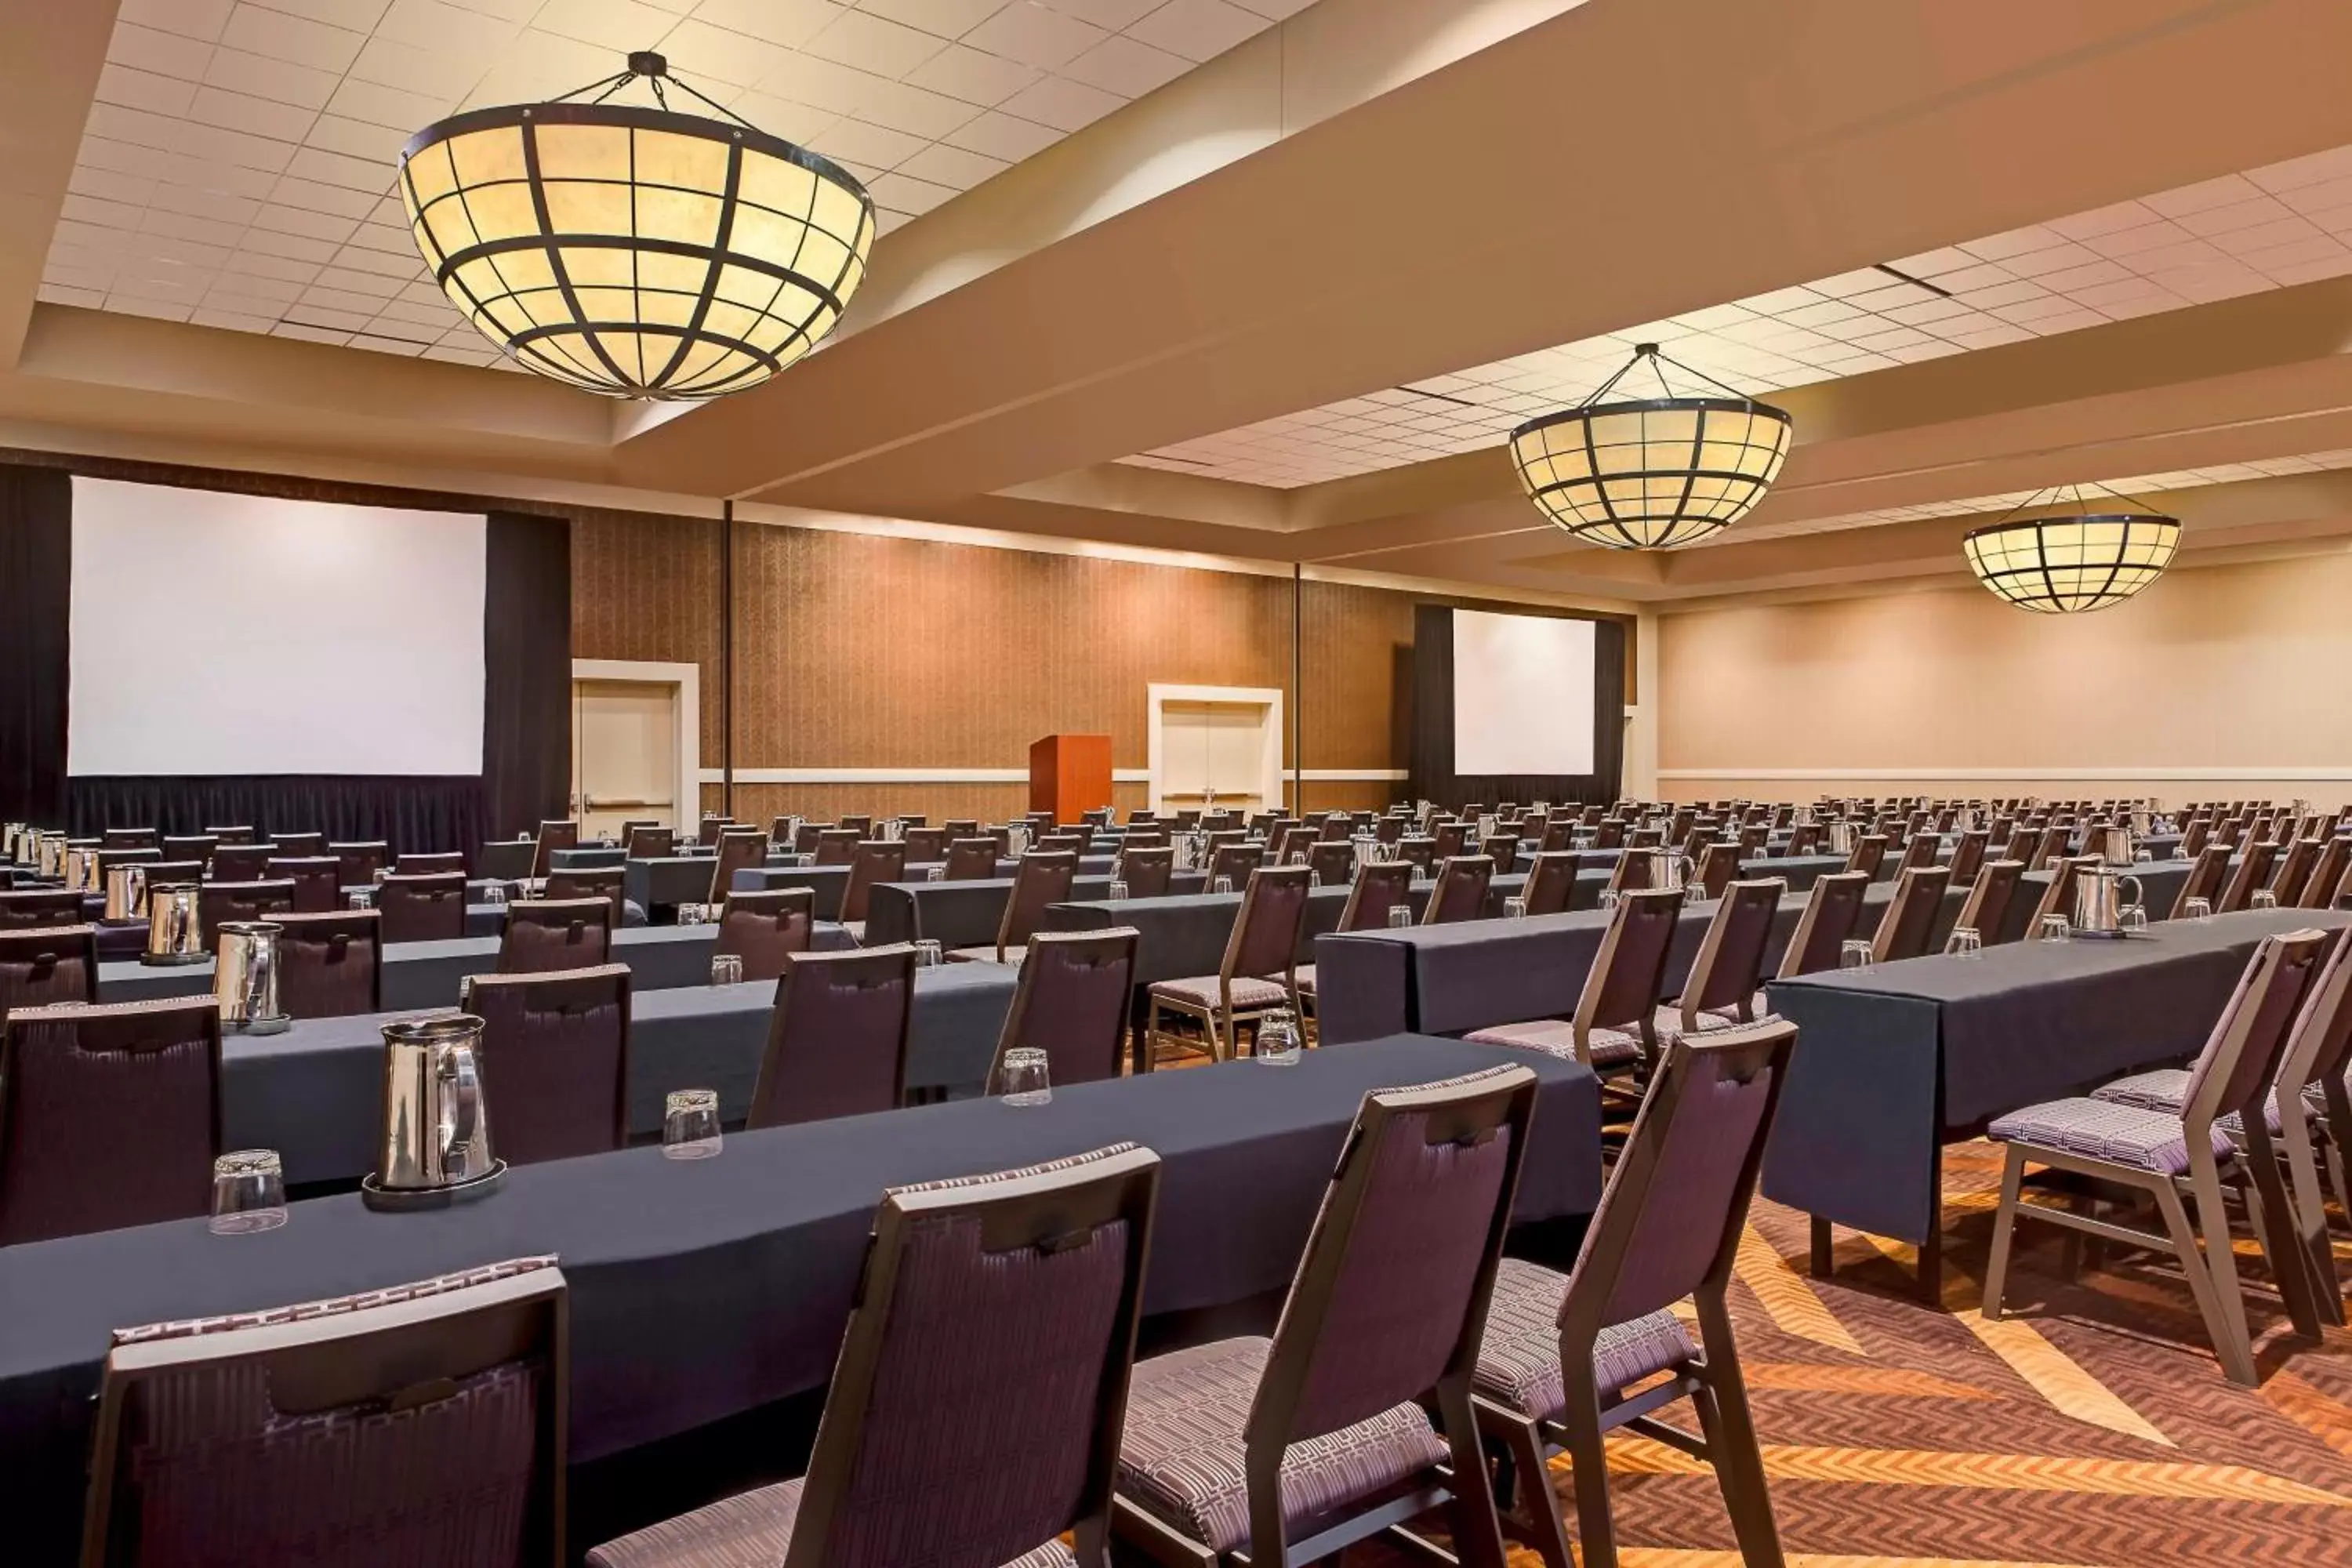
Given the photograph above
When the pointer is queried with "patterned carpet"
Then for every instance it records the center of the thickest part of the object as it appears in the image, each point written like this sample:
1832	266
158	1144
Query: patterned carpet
2092	1427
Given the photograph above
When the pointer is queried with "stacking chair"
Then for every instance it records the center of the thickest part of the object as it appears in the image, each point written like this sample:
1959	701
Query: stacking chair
424	865
554	1059
708	830
838	1036
422	909
837	846
1920	851
760	928
974	1414
240	862
2319	889
1608	835
1460	890
2204	879
1236	862
1726	985
330	964
43	965
1561	1357
1718	864
217	902
810	836
1293	1448
552	837
924	846
651	843
79	1150
861	824
2058	897
1968	856
129	838
1039	877
1832	910
360	860
2166	1155
1909	926
1451	838
1558	834
1805	839
1986	909
542	934
1379	885
1502	848
1064	843
606	882
189	845
2295	872
1146	871
2048	845
2253	871
1257	976
1333	861
972	859
877	860
1551	881
1615	1031
1869	854
419	1424
740	850
1071	1002
2193	836
34	908
317	880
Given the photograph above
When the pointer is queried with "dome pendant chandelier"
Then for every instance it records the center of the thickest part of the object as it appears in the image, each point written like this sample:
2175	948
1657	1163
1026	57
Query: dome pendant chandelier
632	250
2066	563
1652	473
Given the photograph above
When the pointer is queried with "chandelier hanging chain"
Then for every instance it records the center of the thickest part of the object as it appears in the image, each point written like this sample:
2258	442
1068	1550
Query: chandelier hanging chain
2057	493
655	69
1655	358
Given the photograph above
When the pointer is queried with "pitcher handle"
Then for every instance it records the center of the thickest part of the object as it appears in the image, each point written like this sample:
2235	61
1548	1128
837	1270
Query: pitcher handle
461	1117
2136	894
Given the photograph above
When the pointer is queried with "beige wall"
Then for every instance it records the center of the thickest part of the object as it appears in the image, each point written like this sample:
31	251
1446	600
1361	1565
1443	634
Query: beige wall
2228	681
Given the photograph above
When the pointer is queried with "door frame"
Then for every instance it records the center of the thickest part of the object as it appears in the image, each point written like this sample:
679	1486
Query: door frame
1157	695
686	681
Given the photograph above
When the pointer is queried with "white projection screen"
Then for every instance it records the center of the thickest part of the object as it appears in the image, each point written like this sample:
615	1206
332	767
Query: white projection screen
1522	695
218	633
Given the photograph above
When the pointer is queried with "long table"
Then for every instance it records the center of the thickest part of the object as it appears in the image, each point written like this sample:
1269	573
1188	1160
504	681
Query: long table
969	913
703	1289
1894	1062
314	1092
429	973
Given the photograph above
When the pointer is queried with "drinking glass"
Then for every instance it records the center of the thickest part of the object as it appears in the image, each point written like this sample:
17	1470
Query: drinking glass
378	873
2133	917
1854	953
690	1124
494	895
689	914
1298	856
361	899
1400	916
248	1193
2198	909
1277	1039
726	969
2054	928
1222	885
2143	855
1964	942
934	874
1118	892
1021	1078
2180	849
928	954
1515	909
2264	899
1606	901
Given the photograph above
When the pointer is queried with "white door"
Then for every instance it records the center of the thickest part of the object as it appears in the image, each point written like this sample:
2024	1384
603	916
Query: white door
1213	751
624	754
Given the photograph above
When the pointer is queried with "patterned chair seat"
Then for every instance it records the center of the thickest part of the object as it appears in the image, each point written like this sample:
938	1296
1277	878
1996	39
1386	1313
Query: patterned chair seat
1200	991
1181	1456
1012	959
1518	1360
1305	979
1670	1015
2166	1089
2101	1130
753	1527
1556	1037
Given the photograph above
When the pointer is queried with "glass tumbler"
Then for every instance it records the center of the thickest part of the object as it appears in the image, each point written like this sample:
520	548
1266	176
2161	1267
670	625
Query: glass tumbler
1515	909
934	874
2264	899
2198	909
1222	885
2054	928
1118	893
1021	1078
1278	1041
726	969
2134	917
1400	916
929	954
248	1193
1854	953
690	1124
1965	941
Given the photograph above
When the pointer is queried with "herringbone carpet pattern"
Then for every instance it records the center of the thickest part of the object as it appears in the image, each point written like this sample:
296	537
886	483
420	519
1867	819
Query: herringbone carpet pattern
2091	1428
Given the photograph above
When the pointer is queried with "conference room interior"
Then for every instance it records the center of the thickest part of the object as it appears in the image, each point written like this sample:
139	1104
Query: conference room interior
1063	781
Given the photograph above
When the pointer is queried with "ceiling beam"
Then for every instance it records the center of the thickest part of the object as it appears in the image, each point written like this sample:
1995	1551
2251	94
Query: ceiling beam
48	73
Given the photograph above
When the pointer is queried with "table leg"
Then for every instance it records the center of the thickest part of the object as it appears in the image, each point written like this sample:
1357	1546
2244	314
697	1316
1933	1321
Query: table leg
1931	1261
1821	1265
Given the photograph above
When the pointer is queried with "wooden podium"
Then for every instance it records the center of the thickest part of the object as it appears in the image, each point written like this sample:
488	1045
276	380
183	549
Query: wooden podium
1069	775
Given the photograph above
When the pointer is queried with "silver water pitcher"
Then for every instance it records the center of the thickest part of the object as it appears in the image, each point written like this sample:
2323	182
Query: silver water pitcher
2099	900
51	860
244	978
126	892
435	1148
2112	845
11	835
81	869
1842	835
174	934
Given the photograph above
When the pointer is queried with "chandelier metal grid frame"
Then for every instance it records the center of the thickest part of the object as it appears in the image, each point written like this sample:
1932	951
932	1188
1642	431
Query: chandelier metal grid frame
2072	562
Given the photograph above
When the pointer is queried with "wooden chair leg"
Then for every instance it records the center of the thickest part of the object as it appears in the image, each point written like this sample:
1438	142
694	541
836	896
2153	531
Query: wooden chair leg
1539	1506
1596	1533
2004	1226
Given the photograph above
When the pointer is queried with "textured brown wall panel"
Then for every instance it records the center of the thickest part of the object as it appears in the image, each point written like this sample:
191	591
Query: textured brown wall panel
647	587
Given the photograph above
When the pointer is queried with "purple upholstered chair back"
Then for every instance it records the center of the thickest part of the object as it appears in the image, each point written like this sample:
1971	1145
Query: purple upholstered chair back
957	827
1040	878
1671	1218
317	878
217	902
429	865
1869	854
835	846
1910	919
2253	871
707	831
1333	861
1608	835
43	965
1967	855
422	909
924	846
361	860
606	882
109	1115
1236	861
1718	864
837	1037
652	842
555	1061
1460	890
231	835
1551	881
299	846
2241	1055
40	908
330	965
544	934
129	838
1391	1293
1147	870
552	837
2204	879
1805	838
1730	968
1986	910
1832	909
2193	836
740	850
189	845
1071	1002
1628	977
1380	885
422	1424
2295	869
1265	939
762	928
972	859
996	1318
2326	875
241	862
1071	841
861	824
877	860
